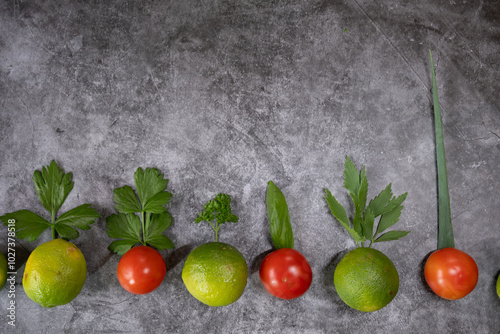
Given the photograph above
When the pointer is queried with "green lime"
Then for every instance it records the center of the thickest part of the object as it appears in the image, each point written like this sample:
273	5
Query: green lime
498	286
55	273
215	273
366	279
3	270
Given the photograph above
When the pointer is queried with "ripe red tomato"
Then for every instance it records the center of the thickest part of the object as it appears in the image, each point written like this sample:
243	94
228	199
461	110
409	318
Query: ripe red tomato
451	273
285	273
141	270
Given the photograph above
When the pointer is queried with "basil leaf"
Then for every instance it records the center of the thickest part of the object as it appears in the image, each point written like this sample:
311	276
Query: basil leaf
279	218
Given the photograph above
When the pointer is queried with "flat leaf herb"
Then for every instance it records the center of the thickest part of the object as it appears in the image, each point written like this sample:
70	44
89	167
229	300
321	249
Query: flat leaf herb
52	187
385	205
142	217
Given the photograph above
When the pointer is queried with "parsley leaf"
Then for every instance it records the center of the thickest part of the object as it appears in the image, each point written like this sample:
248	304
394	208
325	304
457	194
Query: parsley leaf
52	187
219	209
149	183
80	217
153	219
126	227
125	200
384	205
338	212
28	225
153	233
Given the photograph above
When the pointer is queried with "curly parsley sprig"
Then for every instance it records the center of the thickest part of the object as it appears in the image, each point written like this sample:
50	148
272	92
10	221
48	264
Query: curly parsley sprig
219	209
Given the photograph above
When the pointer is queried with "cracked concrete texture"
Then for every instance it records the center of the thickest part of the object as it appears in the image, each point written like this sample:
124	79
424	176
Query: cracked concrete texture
223	96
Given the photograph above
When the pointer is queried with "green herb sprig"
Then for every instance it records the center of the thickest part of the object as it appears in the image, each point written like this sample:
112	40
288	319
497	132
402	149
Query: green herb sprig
279	218
52	187
218	209
146	228
385	205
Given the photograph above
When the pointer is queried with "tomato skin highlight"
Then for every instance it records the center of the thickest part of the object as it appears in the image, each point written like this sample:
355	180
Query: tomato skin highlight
141	270
451	273
285	273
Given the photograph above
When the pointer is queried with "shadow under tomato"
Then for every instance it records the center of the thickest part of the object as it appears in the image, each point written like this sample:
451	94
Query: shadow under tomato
177	256
257	261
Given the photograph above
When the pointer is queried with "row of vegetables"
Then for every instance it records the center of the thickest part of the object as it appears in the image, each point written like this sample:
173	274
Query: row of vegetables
216	273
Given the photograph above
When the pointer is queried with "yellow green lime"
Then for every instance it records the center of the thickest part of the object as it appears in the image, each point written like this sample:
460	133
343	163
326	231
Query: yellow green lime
215	273
366	279
55	273
498	286
3	270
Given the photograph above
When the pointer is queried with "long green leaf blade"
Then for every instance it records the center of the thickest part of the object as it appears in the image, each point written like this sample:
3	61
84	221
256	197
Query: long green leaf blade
445	229
279	218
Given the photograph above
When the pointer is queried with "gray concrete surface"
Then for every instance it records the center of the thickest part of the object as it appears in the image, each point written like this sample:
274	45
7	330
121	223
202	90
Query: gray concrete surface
223	96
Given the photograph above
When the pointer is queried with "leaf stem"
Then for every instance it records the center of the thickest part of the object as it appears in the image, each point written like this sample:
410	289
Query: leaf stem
53	226
143	217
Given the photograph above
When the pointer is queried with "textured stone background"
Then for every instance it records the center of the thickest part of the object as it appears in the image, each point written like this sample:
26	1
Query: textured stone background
223	96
